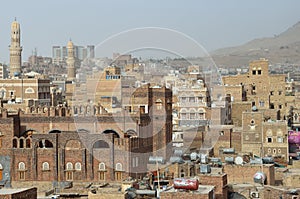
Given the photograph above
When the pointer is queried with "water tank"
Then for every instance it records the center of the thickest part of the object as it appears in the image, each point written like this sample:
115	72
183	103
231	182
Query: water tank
156	159
259	177
203	158
205	168
268	160
229	160
178	152
228	150
176	159
17	74
215	160
186	184
256	161
194	156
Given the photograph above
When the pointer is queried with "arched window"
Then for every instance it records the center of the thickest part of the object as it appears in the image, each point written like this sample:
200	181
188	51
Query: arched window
182	173
21	143
2	93
29	90
75	110
247	137
63	112
69	166
269	133
15	143
45	144
45	166
21	166
100	144
73	144
119	167
158	104
78	166
28	143
102	166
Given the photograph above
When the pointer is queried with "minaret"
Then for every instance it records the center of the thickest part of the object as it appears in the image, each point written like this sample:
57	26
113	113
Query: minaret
15	50
71	61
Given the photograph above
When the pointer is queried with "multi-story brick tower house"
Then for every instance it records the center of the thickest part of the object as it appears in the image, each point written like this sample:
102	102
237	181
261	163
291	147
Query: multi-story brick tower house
263	90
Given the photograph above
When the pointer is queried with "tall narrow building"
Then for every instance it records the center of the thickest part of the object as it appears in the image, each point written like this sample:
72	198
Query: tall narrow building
15	50
71	61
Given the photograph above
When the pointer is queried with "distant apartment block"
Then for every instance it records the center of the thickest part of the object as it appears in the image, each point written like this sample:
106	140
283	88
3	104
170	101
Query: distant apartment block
60	53
3	71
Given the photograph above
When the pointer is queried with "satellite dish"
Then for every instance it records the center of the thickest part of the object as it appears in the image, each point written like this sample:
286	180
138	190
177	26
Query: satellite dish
238	160
254	108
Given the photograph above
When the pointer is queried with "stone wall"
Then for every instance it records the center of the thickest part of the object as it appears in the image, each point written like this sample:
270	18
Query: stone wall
244	173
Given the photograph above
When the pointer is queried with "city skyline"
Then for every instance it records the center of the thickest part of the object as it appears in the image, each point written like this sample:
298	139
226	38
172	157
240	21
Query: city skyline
212	24
143	124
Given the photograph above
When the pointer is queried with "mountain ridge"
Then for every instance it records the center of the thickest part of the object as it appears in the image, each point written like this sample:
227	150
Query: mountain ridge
281	48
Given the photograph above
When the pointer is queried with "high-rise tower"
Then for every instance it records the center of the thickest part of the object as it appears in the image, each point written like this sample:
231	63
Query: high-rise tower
71	61
15	50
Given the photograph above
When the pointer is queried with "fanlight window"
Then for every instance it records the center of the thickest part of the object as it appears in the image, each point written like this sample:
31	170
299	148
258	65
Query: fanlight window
45	166
158	104
29	90
22	166
78	166
101	166
69	166
119	167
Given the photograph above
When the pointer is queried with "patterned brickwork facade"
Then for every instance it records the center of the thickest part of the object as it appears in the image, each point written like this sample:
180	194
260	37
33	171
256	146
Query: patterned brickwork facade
263	90
239	174
54	144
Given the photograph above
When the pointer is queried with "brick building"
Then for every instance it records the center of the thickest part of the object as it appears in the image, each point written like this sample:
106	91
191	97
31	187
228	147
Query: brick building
219	181
264	137
193	99
26	89
26	193
263	90
204	192
239	174
85	143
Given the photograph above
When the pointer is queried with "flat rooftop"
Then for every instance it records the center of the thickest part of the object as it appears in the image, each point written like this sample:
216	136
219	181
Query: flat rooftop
202	189
7	191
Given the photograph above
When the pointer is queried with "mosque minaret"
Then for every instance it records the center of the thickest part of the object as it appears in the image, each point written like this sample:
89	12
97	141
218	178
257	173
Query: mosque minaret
71	61
15	50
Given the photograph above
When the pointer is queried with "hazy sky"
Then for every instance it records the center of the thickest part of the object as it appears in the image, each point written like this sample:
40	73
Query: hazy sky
212	23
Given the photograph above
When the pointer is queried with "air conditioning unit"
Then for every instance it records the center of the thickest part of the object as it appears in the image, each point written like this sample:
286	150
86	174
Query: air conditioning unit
1	134
254	194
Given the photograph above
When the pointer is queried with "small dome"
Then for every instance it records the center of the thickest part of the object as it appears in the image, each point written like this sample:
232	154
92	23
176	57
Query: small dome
70	44
15	25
